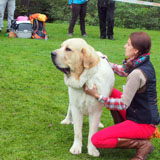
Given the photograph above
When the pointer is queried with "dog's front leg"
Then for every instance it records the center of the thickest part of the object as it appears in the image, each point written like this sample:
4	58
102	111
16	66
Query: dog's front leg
77	123
94	119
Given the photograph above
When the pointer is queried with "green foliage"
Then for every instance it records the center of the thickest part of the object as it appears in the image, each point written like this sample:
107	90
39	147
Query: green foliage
126	15
136	16
58	10
34	99
92	13
34	7
22	10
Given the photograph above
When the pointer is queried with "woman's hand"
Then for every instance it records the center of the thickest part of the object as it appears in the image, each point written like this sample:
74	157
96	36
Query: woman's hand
91	92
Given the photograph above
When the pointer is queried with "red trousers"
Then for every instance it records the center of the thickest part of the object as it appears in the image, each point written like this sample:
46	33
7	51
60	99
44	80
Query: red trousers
108	137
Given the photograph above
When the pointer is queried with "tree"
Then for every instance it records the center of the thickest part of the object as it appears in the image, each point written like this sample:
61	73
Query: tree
25	4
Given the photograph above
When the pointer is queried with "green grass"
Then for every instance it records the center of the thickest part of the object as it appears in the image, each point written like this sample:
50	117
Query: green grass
34	99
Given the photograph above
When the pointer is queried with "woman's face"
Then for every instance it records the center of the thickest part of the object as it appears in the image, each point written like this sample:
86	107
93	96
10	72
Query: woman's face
130	51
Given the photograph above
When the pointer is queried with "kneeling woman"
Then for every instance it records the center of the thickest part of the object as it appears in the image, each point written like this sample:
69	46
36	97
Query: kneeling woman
135	110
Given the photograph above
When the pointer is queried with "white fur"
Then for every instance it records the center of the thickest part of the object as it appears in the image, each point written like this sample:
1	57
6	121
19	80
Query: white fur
81	104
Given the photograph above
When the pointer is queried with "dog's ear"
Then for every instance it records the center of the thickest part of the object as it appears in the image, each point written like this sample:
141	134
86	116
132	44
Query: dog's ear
90	58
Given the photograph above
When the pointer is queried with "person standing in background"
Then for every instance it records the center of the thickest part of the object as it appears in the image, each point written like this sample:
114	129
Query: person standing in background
11	8
79	8
106	15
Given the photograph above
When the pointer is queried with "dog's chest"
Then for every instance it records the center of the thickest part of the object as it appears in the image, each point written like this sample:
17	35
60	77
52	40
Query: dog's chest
84	103
102	76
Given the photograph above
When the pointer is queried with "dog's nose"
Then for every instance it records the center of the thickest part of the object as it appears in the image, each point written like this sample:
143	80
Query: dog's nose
53	54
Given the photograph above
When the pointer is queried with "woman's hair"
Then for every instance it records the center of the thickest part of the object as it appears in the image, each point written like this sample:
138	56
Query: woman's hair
141	41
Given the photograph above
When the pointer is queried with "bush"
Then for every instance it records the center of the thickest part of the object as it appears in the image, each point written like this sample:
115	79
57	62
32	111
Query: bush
126	15
137	16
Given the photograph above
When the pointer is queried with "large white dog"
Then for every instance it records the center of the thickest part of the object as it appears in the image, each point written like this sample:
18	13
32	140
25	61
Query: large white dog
82	65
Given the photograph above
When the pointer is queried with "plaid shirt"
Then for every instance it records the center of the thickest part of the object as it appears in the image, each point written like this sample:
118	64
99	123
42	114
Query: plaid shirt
115	103
118	69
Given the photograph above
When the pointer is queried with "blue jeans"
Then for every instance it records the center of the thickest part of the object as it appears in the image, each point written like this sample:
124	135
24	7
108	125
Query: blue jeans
11	8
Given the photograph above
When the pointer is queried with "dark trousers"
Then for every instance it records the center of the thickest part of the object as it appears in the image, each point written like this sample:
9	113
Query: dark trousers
78	10
106	17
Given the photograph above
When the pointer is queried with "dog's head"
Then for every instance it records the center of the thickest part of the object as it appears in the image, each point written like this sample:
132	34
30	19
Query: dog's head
74	56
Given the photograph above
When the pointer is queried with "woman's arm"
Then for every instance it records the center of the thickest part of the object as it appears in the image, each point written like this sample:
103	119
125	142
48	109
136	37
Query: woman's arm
113	103
118	69
70	2
110	103
135	81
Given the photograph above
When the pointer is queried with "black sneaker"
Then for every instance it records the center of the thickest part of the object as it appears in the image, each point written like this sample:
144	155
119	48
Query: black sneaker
0	30
102	37
85	35
7	30
111	37
70	34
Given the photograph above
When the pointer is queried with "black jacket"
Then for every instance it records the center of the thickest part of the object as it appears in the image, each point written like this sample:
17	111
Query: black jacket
104	3
143	108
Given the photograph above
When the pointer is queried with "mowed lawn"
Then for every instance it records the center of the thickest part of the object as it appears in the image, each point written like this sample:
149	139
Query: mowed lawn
34	98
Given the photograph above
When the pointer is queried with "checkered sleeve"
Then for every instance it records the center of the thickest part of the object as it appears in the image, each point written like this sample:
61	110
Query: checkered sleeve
118	69
113	103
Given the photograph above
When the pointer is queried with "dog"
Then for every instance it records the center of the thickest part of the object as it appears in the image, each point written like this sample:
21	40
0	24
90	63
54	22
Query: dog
82	65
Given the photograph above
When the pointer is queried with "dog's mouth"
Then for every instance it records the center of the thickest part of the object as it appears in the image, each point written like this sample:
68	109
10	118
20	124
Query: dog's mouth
64	70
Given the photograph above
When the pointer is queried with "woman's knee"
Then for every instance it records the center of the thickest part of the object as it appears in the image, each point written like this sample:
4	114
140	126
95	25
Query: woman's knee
116	93
104	143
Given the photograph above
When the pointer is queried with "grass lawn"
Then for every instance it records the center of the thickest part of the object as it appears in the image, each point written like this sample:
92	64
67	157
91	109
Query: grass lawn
34	99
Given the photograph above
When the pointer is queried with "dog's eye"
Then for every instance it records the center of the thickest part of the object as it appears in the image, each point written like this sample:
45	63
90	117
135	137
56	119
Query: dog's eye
68	49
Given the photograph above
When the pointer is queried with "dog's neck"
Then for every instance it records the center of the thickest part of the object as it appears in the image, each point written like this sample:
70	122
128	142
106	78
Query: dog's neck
87	74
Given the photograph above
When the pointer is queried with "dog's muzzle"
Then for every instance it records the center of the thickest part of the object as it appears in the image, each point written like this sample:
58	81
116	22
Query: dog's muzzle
53	57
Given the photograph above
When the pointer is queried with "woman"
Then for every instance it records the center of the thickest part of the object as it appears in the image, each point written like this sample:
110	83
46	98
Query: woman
138	101
79	8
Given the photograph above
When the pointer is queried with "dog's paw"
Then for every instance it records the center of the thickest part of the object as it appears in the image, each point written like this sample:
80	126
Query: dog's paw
93	152
76	149
66	121
100	125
